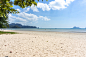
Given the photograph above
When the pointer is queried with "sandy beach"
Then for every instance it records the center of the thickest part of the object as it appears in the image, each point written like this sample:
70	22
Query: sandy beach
43	44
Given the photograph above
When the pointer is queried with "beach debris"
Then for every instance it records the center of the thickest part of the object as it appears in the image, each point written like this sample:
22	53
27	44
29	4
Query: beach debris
61	47
61	43
47	41
32	41
6	56
5	45
33	55
54	44
10	51
4	41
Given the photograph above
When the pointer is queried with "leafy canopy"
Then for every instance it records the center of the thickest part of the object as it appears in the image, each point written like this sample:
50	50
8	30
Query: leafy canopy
6	6
4	22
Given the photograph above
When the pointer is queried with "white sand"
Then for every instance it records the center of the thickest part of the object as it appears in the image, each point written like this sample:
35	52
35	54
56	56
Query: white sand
43	44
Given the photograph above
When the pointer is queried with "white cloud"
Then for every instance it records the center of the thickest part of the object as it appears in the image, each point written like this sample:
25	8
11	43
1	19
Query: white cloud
18	19
68	2
59	4
18	10
34	8
54	5
43	6
26	9
26	18
32	17
44	18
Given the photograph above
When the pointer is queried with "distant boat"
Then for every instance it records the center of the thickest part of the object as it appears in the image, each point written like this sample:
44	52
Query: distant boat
55	28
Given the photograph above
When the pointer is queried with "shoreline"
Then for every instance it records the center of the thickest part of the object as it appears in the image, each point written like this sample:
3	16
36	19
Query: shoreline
51	30
44	31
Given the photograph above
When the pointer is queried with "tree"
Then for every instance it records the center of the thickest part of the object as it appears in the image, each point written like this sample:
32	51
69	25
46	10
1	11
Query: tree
4	22
6	8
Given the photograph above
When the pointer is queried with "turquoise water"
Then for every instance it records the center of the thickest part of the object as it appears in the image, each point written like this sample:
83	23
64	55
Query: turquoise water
50	29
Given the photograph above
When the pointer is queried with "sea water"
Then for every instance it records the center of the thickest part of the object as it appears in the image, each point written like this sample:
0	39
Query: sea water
82	30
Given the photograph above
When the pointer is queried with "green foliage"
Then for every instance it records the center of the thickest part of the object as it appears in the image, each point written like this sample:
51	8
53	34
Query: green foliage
2	32
24	3
42	0
4	22
6	6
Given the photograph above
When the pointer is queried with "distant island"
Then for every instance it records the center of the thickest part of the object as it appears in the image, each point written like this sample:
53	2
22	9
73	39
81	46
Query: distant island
76	27
17	25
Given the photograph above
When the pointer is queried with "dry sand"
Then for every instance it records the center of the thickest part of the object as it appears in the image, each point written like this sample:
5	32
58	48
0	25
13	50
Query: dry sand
43	44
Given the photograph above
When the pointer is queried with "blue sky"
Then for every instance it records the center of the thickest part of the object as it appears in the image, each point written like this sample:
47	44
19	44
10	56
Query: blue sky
52	14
